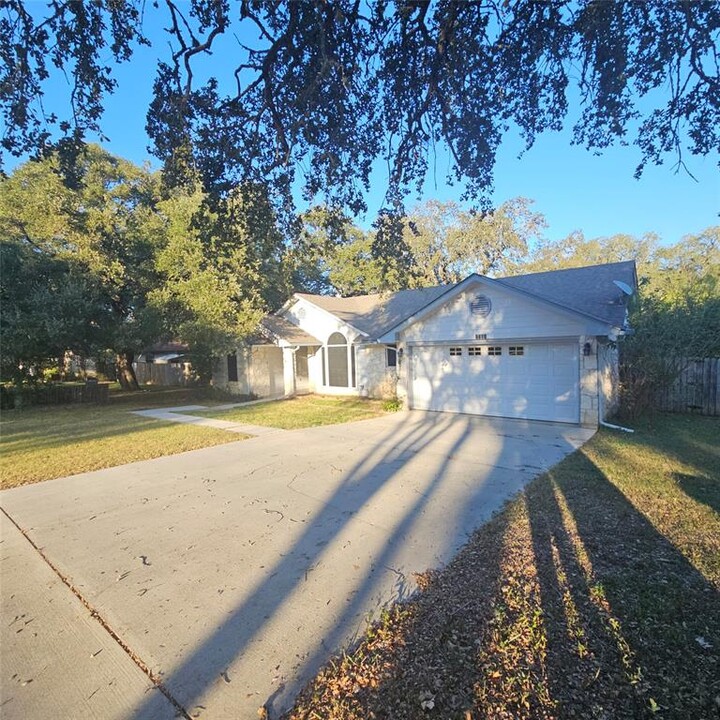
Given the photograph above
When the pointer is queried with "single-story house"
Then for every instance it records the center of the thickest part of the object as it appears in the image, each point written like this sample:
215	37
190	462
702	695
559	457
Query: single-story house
541	346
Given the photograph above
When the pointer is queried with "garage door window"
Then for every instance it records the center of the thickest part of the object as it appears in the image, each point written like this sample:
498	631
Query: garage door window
455	351
495	350
475	350
516	350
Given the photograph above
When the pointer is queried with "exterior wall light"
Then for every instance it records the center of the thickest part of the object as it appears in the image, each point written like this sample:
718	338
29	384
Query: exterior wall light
587	349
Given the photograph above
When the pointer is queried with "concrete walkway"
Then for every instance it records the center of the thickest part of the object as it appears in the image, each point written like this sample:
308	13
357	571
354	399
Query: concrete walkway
176	414
228	575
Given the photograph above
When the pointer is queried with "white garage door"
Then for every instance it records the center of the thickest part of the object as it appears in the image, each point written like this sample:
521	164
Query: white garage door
533	381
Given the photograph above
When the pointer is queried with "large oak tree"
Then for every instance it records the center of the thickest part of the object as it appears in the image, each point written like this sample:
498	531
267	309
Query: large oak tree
335	87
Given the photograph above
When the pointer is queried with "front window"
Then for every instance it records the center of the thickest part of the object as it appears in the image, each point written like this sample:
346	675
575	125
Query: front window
391	356
338	362
232	368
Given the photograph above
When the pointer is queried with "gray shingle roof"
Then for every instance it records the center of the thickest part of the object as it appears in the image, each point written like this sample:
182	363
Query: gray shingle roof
280	328
375	314
588	290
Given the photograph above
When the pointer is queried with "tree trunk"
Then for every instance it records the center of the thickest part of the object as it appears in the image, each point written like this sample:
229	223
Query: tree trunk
125	371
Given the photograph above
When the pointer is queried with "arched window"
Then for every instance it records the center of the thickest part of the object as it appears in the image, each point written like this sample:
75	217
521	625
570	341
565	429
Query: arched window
337	361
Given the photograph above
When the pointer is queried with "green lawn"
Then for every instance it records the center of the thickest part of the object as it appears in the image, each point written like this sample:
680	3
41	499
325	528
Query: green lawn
301	412
44	443
594	594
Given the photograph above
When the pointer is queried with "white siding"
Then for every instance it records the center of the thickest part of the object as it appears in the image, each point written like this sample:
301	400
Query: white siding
512	316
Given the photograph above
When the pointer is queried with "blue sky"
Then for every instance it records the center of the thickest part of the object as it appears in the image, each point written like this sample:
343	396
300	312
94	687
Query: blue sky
573	188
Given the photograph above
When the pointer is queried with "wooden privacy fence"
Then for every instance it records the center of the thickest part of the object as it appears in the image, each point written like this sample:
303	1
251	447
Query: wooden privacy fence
696	388
54	394
164	374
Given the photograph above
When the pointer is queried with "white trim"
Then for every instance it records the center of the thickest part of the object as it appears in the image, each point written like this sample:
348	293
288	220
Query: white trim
332	390
327	312
350	359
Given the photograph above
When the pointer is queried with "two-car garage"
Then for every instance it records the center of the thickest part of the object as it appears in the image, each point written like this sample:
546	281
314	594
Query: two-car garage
516	379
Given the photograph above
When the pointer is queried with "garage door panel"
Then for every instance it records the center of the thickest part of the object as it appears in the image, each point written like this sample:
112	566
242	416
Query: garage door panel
540	384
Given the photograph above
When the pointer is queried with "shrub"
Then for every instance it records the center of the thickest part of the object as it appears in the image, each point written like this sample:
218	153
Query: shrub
392	404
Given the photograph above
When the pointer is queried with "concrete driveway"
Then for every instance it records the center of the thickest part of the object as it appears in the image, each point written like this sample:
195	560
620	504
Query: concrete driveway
228	575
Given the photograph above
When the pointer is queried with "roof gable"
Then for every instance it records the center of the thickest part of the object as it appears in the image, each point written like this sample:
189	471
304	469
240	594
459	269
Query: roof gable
373	315
587	291
283	331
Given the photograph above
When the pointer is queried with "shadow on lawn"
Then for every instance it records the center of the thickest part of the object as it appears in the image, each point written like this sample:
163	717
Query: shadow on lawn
63	428
569	604
705	490
622	606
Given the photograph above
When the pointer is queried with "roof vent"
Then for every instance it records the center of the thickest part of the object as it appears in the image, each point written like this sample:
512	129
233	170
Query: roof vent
481	305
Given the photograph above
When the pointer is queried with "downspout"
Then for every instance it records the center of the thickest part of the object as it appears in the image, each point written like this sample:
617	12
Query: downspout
616	427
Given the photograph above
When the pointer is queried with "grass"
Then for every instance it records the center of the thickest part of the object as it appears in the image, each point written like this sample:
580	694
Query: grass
44	443
302	412
594	594
48	442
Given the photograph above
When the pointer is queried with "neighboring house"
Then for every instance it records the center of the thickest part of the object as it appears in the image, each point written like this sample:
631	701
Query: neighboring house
164	363
540	346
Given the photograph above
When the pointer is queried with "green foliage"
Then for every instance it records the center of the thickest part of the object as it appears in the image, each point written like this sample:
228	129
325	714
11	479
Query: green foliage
119	261
332	88
48	307
448	243
333	255
221	268
676	314
437	243
676	317
353	269
84	257
393	404
577	251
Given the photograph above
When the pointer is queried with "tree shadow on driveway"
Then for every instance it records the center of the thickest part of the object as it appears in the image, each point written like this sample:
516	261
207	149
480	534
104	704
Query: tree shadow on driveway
569	604
450	498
